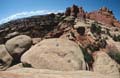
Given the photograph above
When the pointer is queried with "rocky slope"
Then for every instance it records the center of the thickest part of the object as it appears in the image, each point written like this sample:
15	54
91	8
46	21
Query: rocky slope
65	45
35	26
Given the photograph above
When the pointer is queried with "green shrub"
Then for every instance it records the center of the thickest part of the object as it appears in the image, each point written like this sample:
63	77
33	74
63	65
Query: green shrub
115	56
95	28
88	58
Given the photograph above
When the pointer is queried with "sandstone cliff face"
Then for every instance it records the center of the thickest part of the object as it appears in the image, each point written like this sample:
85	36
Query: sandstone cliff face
76	12
74	40
103	15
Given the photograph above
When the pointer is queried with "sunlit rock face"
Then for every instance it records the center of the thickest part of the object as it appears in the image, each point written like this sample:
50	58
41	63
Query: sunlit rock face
85	43
105	16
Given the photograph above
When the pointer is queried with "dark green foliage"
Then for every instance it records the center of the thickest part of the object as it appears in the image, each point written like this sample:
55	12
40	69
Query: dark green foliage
102	43
95	28
27	65
88	58
116	38
93	47
81	30
115	56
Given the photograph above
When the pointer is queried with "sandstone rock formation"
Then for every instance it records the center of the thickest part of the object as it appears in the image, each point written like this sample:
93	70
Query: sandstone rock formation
18	45
113	49
5	58
74	40
35	26
105	16
76	12
14	67
36	40
11	35
55	54
39	73
105	65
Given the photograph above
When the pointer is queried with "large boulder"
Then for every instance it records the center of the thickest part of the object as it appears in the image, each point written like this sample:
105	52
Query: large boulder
18	45
105	65
5	58
40	73
55	54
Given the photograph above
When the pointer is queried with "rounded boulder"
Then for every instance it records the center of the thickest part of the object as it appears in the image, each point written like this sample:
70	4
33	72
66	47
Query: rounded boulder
55	54
5	58
18	45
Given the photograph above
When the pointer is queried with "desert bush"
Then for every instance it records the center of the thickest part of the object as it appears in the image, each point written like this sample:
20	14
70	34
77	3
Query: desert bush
115	56
95	28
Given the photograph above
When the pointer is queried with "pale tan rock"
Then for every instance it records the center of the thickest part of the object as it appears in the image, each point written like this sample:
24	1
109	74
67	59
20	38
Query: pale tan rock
81	24
40	73
18	66
67	36
105	65
69	18
55	54
18	45
113	49
11	35
5	58
36	40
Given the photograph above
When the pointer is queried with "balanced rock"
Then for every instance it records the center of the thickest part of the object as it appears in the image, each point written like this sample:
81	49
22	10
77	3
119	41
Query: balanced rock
5	58
105	65
42	73
55	54
18	45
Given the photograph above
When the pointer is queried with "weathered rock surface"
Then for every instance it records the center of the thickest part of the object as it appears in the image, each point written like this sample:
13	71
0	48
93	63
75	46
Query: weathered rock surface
5	58
36	40
91	31
18	66
113	49
105	65
76	12
55	54
39	73
11	35
18	45
105	16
